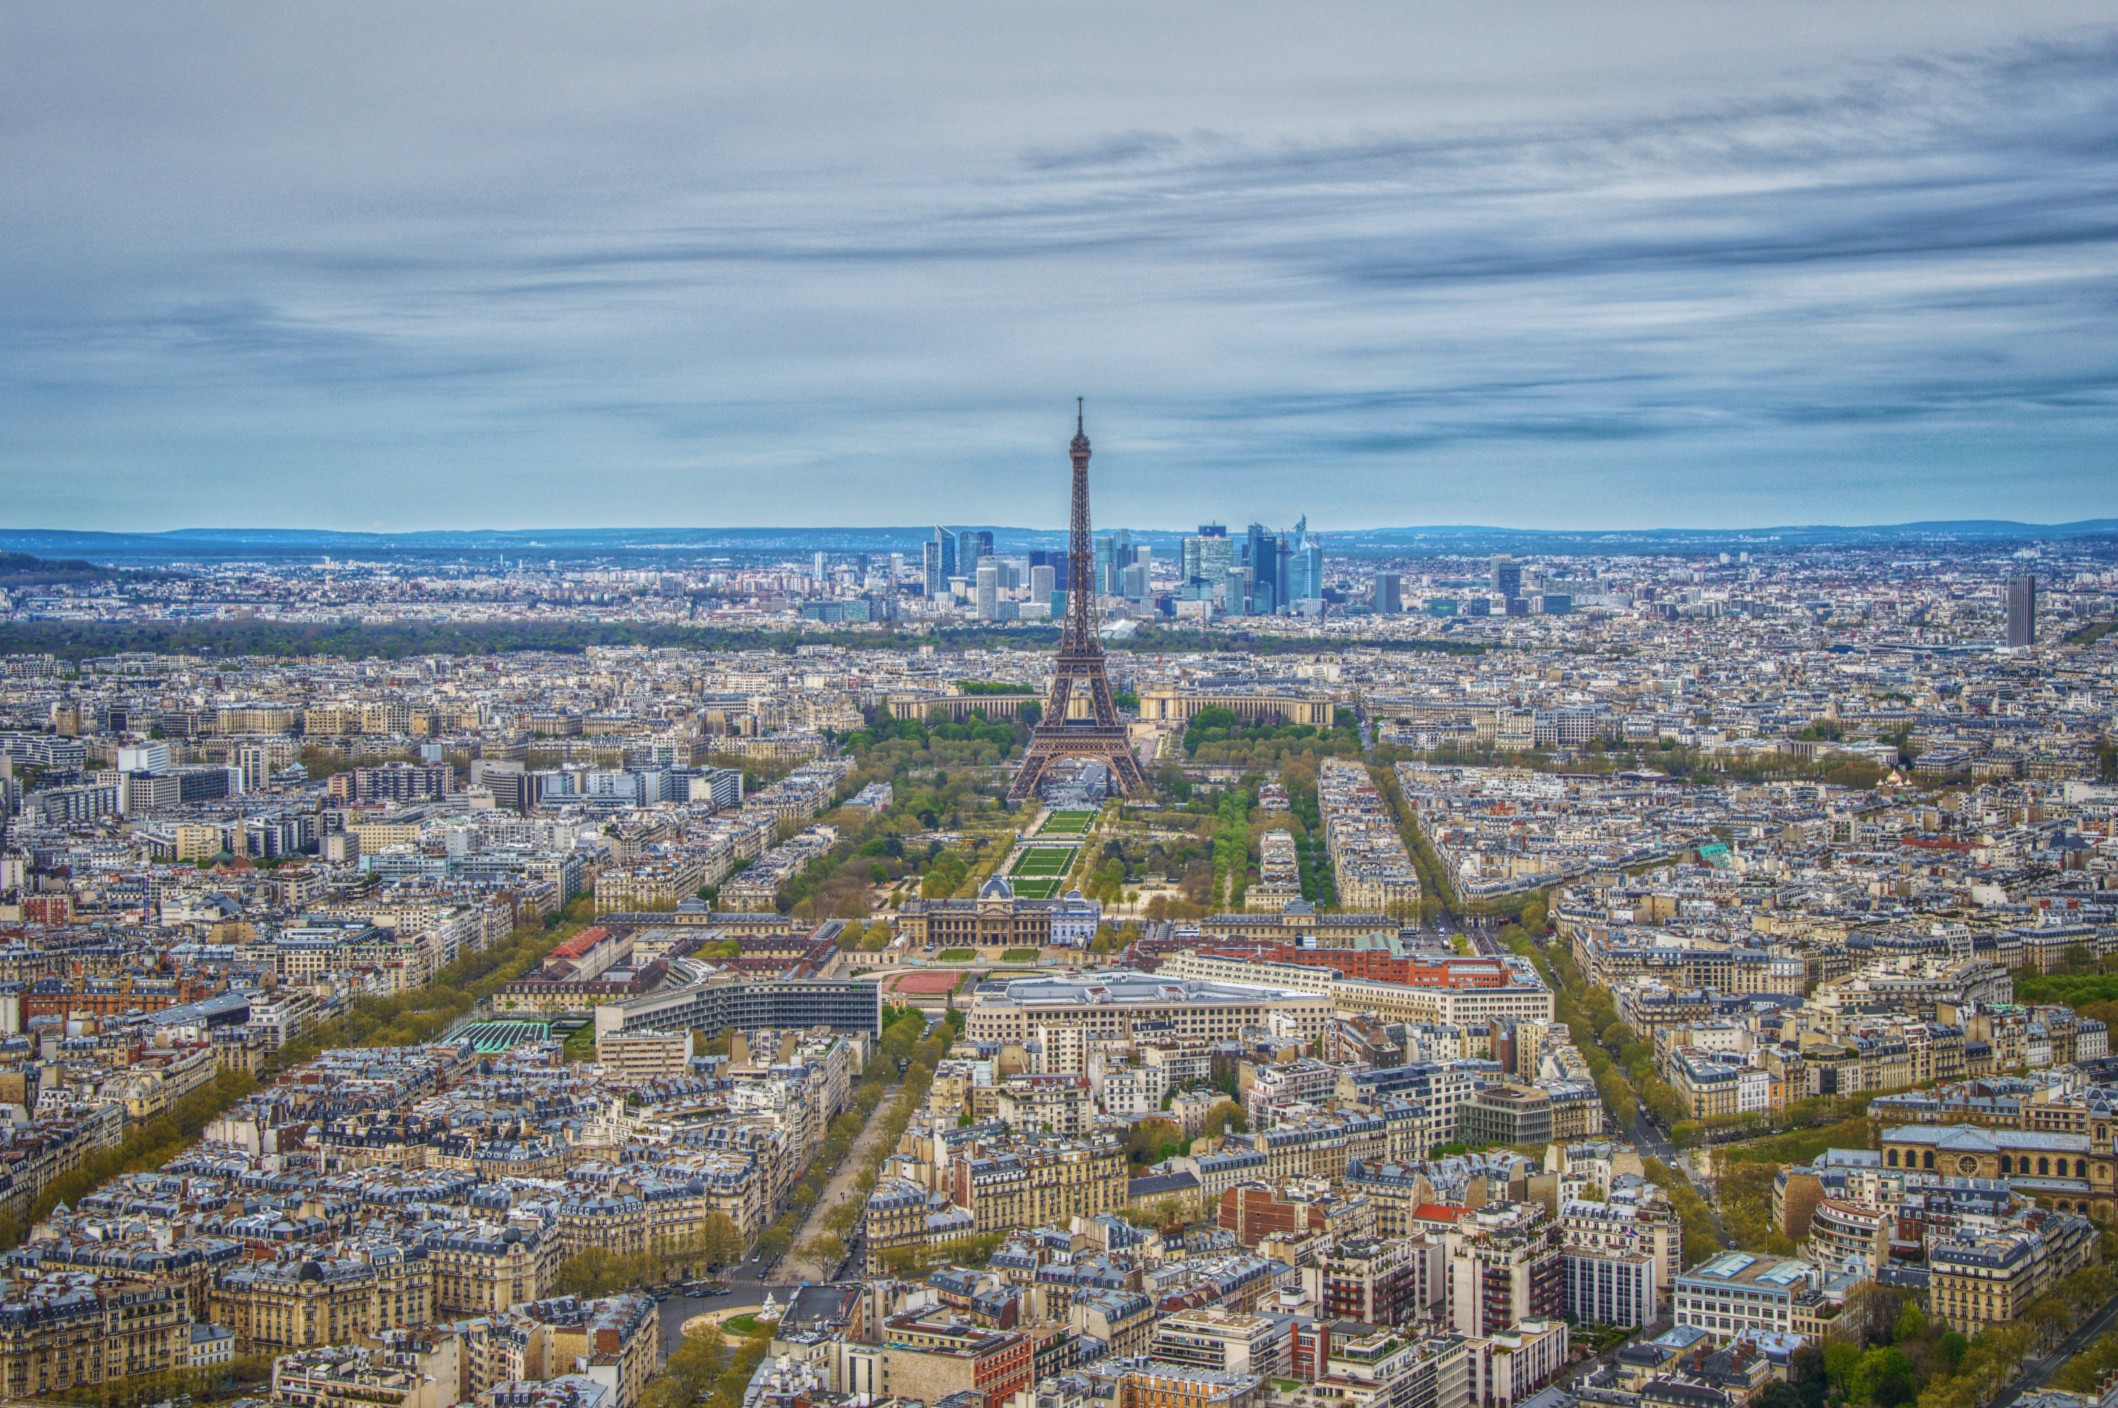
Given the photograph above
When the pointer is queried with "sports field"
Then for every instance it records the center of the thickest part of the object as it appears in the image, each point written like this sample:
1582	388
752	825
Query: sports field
1037	862
922	984
1067	824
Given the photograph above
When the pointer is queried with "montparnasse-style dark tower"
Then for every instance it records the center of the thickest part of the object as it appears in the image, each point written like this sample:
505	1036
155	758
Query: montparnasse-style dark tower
1093	731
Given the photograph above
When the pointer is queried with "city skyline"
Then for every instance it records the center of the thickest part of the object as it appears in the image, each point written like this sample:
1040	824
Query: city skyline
1665	267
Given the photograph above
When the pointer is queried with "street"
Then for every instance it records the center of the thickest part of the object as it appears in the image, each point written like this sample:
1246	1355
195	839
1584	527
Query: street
2036	1371
841	1188
742	1296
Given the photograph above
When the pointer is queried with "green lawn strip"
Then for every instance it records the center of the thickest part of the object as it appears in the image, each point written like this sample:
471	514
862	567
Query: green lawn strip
1044	862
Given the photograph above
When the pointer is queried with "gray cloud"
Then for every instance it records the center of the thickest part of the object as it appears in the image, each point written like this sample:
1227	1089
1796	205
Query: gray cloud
1569	266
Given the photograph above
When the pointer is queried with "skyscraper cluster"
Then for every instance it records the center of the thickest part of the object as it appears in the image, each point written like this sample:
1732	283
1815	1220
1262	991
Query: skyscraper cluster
955	552
1263	573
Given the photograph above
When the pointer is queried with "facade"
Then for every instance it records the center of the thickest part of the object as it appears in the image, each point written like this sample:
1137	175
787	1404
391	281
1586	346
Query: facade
1510	1365
1737	1293
1521	998
2022	610
1250	706
2069	1172
1507	1114
930	1357
1388	1369
1117	1002
1230	1341
1981	1278
74	1330
482	1269
1040	1184
999	919
748	1004
636	1058
1153	1383
305	1303
1505	1266
1623	1227
1377	1282
1612	1287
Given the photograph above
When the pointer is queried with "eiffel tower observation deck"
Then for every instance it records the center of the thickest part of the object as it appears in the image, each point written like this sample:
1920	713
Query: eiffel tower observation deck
1080	720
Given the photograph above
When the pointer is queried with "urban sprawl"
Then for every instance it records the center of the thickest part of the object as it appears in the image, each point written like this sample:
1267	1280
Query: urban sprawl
1653	980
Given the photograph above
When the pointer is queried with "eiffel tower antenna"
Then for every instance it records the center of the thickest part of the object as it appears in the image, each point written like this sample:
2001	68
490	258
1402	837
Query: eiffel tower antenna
1094	732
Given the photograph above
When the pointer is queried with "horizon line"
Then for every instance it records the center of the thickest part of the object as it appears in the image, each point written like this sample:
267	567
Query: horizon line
2080	525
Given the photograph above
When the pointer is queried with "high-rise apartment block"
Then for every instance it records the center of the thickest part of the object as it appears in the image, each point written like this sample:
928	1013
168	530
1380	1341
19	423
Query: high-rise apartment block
2022	610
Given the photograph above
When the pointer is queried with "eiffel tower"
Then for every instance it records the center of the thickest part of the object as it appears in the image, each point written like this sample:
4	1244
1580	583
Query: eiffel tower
1077	673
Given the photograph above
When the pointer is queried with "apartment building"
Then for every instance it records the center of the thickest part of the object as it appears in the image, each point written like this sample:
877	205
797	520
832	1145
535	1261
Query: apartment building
1505	1266
1153	1383
1368	858
1988	1277
1225	1340
69	1330
635	1058
1040	1183
1641	1222
301	1302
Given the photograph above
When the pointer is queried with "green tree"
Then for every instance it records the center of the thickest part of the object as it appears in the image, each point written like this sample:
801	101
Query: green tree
1224	1116
1805	1371
1841	1359
1149	1137
1884	1377
720	1242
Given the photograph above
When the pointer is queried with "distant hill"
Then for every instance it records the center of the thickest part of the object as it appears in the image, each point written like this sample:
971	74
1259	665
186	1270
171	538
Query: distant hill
19	569
66	549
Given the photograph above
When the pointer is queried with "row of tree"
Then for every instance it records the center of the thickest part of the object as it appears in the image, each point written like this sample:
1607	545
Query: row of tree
600	1272
1617	1095
906	1040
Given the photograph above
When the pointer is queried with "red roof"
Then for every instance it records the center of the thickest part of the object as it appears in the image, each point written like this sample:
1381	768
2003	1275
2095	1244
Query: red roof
581	943
1440	1212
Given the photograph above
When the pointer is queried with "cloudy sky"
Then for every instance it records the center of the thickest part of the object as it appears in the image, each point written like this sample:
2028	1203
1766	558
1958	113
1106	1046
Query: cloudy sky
1533	264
